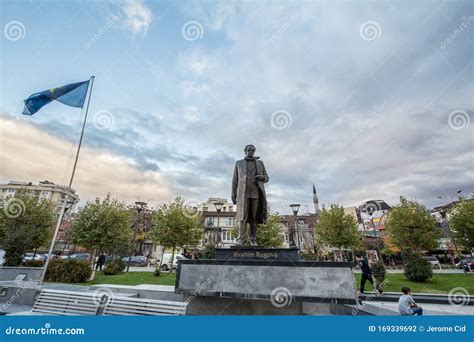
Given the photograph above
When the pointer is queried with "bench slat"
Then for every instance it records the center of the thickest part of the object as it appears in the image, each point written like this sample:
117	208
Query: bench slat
146	305
137	306
144	310
61	308
135	313
49	301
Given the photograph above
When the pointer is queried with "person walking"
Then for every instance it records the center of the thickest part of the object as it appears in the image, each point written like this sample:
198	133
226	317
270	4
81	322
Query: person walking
407	305
366	272
100	262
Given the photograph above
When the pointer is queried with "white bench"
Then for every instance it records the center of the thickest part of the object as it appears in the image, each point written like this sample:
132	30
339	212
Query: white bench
123	306
64	303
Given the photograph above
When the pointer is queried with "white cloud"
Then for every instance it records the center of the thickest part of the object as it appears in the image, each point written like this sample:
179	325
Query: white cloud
138	17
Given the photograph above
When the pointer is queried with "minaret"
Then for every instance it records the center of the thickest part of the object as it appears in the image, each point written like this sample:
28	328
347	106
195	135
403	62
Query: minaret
315	200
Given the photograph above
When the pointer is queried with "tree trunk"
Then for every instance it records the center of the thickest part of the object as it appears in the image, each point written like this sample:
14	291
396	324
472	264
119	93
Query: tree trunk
172	259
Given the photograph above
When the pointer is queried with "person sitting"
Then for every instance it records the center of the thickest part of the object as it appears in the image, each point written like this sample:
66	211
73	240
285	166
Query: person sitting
407	305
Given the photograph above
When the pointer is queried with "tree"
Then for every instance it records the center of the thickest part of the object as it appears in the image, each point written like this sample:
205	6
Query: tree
338	229
174	225
410	225
268	234
25	224
461	224
102	225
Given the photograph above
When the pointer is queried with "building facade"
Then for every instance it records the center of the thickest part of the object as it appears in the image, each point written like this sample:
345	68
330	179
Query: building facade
57	194
218	226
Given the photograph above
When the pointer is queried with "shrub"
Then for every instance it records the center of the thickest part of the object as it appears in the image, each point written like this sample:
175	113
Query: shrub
115	266
157	272
209	252
68	271
309	256
417	268
34	263
378	270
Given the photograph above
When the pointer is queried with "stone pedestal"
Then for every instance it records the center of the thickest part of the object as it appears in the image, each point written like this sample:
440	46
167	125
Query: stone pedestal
277	281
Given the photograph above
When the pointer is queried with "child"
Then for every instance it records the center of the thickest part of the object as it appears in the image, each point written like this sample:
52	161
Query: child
406	304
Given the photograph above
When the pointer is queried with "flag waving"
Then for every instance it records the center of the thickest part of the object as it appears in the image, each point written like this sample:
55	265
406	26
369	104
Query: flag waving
73	95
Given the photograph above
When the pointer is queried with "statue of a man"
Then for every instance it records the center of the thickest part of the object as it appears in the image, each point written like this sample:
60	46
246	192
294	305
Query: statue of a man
248	193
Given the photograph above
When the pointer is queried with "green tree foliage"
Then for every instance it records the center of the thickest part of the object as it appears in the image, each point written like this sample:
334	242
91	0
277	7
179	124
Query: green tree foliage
338	229
25	224
175	225
416	267
102	225
410	225
270	233
461	224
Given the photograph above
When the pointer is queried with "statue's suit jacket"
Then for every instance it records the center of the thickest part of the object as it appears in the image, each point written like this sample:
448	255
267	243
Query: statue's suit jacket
238	190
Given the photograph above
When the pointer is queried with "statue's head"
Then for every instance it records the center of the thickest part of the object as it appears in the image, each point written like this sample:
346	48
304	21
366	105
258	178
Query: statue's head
249	150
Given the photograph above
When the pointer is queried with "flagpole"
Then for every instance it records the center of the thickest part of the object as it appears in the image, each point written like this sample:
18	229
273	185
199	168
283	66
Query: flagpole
63	209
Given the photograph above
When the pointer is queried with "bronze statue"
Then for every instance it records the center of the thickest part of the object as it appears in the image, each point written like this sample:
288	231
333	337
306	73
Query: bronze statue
248	193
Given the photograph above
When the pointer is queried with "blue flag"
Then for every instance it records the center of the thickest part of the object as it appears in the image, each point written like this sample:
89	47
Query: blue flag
73	95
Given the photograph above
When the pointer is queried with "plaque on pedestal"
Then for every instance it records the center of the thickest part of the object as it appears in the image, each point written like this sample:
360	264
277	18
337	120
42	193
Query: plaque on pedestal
255	253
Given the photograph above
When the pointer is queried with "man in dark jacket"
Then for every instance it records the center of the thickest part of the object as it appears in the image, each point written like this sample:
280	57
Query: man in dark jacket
100	262
366	272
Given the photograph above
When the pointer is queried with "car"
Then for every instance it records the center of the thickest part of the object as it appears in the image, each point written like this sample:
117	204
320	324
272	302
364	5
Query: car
433	261
467	263
33	256
2	257
165	265
136	260
79	256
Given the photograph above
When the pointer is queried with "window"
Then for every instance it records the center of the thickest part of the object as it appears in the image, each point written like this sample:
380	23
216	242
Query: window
231	208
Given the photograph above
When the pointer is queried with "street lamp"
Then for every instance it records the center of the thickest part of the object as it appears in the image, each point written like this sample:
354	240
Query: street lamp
218	206
295	207
139	206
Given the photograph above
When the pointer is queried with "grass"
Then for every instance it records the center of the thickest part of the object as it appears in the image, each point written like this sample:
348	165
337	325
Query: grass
133	278
440	283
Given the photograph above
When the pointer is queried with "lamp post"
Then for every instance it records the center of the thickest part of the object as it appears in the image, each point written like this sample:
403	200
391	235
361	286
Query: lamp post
218	206
295	207
139	206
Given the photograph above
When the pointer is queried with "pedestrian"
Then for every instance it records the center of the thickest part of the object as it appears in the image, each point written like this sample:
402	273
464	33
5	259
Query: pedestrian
407	305
100	262
366	272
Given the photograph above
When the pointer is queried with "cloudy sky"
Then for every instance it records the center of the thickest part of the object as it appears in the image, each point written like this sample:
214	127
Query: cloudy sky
365	100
